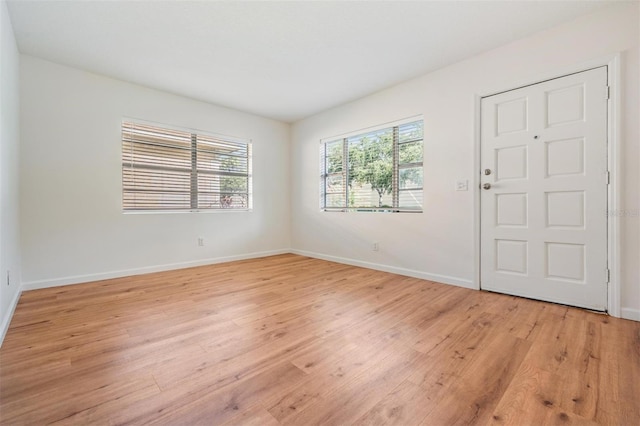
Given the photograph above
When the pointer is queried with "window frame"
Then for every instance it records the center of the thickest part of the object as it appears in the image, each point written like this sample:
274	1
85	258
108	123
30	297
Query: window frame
397	166
196	137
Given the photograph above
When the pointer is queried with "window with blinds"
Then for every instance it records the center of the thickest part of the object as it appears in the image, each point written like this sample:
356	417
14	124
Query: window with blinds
167	169
375	170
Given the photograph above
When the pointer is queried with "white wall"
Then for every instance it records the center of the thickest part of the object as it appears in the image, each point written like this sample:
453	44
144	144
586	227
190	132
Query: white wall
9	150
73	228
439	243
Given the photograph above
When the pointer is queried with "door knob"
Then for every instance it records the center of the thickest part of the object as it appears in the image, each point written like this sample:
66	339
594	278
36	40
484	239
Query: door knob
487	186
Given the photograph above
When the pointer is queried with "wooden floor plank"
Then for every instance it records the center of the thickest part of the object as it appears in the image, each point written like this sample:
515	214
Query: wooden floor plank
256	416
405	405
325	379
292	340
359	395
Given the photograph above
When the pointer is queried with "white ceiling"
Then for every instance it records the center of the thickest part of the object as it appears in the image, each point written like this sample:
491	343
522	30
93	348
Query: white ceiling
284	60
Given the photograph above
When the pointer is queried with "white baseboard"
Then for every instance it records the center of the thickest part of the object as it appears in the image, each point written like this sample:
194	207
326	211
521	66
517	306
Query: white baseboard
6	320
630	314
444	279
77	279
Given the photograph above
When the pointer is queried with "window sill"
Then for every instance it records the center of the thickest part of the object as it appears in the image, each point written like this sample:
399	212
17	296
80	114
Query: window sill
135	212
369	210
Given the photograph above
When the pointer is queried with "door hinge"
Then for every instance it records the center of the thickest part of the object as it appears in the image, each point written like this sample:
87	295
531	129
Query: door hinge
608	92
608	177
608	275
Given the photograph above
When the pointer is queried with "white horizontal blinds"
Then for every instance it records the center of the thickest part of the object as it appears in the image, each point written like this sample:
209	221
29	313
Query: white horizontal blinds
167	169
323	175
334	187
410	172
223	169
395	184
376	170
156	168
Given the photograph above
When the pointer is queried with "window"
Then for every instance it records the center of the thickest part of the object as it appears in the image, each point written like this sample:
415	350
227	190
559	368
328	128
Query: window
166	169
378	170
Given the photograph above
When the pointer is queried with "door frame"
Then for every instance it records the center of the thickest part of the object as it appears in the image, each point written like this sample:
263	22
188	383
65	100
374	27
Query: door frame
612	62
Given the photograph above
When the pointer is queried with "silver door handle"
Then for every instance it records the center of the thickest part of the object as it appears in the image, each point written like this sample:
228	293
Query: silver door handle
487	186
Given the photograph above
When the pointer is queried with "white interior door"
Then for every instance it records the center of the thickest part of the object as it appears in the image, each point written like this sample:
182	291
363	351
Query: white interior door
544	196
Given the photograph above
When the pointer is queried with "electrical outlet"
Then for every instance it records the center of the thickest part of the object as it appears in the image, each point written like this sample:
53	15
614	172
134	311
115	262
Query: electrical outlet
375	247
200	241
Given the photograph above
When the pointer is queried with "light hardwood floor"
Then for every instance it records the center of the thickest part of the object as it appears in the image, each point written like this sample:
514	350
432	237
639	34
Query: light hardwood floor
298	341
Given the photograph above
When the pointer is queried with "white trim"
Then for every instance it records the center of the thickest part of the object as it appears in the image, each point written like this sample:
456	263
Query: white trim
77	279
180	128
612	62
630	314
419	117
614	248
443	279
6	321
607	60
205	211
475	185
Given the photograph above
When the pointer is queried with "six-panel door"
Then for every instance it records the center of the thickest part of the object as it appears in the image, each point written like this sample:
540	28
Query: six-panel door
543	219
